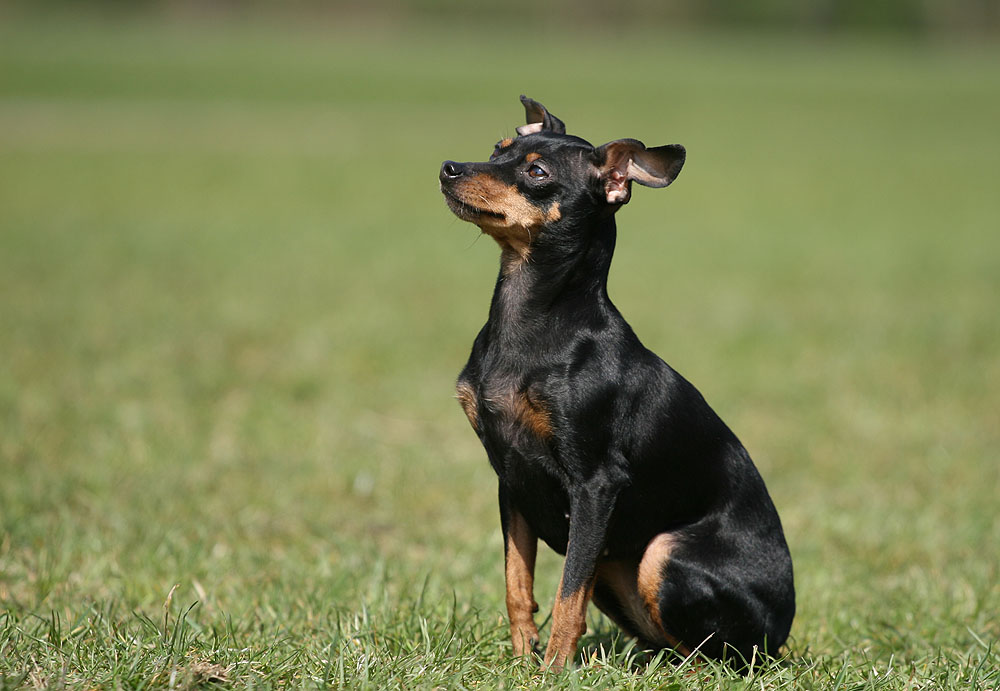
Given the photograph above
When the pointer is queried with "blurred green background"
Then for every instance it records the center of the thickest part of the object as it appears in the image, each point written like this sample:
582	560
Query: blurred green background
233	305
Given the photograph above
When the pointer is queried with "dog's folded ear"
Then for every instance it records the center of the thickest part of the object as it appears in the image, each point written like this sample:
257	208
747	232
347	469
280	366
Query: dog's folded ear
624	160
539	119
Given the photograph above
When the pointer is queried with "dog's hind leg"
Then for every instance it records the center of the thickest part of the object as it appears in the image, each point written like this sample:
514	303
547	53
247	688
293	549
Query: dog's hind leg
627	591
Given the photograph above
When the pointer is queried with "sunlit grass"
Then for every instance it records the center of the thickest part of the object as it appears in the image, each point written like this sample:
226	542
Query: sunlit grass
232	306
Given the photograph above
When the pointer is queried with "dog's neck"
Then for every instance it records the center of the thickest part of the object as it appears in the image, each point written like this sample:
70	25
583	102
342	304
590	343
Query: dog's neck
543	296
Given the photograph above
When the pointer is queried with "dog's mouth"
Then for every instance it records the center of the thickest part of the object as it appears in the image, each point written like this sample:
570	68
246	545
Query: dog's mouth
467	211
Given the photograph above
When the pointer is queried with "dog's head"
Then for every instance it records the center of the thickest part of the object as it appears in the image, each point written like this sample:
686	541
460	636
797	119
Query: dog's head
544	179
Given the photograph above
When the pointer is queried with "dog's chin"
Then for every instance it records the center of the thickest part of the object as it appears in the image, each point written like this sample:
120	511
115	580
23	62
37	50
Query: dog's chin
469	212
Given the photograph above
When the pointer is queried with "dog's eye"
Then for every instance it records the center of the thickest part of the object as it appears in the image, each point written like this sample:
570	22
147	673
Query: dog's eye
536	171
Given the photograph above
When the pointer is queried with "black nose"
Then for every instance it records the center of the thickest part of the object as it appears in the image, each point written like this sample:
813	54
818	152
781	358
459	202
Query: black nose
450	169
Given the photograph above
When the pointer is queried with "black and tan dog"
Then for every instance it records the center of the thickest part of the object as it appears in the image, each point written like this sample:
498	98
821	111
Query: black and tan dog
602	450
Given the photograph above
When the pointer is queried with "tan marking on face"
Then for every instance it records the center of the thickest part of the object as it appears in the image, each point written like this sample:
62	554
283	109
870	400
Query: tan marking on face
532	157
467	398
512	258
521	221
504	143
522	545
554	213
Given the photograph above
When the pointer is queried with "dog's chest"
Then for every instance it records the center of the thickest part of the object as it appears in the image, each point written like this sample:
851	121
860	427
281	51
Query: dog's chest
517	426
506	413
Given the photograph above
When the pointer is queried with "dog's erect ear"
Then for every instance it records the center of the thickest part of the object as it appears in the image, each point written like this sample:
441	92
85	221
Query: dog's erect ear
621	161
539	119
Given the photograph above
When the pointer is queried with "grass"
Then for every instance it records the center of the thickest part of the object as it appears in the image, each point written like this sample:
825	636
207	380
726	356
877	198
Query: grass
233	306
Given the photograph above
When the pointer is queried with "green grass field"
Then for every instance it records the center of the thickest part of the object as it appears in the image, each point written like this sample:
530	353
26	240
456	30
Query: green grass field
233	305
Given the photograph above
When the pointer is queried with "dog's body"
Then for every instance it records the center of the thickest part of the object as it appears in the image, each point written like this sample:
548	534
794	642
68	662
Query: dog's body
602	450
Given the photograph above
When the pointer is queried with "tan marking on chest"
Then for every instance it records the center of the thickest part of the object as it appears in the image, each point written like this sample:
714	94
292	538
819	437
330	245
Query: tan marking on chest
467	399
526	411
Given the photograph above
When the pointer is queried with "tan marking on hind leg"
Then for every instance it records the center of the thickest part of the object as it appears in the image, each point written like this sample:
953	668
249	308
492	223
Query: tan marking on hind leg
621	578
636	587
649	580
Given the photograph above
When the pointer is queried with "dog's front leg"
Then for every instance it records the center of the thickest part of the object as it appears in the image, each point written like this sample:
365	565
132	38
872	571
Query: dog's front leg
520	547
590	511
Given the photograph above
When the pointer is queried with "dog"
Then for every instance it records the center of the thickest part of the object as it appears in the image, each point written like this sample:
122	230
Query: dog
601	449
